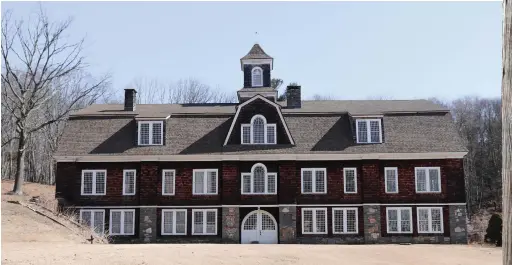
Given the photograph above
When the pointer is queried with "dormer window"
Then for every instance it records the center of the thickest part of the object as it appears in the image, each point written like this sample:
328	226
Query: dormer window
257	76
151	132
368	131
259	131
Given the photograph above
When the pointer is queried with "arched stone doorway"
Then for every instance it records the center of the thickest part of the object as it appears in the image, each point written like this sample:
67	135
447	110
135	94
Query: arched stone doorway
260	227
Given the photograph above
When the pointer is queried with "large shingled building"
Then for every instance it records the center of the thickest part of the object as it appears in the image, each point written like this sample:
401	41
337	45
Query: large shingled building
266	171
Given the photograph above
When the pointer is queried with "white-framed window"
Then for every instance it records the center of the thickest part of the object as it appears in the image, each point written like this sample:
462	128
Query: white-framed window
258	131
259	181
129	180
399	219
314	220
344	221
391	179
94	182
205	181
369	131
95	219
430	219
257	76
350	180
151	132
314	180
174	222
204	221
122	222
168	181
428	179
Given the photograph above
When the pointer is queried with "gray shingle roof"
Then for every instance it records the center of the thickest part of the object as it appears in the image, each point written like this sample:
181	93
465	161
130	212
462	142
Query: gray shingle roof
313	133
354	107
256	52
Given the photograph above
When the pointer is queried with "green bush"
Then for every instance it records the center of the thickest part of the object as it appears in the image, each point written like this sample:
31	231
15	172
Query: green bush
494	230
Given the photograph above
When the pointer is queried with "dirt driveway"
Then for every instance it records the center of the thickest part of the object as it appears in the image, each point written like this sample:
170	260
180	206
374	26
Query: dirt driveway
62	253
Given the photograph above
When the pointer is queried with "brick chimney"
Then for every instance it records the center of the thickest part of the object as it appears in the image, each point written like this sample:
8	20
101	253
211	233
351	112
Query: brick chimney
293	97
130	97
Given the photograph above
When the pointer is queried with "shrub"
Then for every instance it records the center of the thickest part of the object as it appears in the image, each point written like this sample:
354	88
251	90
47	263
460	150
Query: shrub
494	230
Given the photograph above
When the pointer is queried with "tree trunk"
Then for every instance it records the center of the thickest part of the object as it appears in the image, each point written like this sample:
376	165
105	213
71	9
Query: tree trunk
20	165
507	132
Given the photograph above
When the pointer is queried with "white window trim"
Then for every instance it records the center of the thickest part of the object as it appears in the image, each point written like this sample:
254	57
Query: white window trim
427	175
204	223
368	132
134	181
252	77
151	132
266	125
122	211
386	179
205	188
399	220
430	231
314	221
93	224
345	220
174	182
266	192
313	180
174	211
345	180
94	193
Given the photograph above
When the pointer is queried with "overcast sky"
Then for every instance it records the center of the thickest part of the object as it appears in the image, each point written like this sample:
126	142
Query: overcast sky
347	50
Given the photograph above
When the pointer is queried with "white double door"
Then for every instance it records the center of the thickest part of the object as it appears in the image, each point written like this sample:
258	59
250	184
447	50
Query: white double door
259	227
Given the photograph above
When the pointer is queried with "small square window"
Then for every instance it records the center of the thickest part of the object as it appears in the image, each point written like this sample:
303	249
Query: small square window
150	132
369	131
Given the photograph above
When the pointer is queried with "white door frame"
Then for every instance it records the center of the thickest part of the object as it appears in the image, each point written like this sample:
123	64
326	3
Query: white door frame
259	213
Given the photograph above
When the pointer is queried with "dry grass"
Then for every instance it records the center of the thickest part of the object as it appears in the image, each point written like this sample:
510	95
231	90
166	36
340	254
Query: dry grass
41	199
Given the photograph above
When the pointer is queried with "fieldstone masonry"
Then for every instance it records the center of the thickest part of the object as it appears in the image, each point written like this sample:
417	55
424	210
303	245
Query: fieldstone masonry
458	225
230	225
371	224
147	225
287	224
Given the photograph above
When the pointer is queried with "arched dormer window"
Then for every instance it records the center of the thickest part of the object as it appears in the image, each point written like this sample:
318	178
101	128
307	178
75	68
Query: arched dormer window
259	131
259	181
257	76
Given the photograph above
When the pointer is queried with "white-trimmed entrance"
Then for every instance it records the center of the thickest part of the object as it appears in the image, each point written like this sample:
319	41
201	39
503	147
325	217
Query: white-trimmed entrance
259	227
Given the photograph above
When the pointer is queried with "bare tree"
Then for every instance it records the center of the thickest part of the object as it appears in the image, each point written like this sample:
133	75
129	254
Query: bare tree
507	132
150	91
43	80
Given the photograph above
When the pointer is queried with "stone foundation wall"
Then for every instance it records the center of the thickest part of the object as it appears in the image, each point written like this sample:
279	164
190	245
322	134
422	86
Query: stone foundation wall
231	225
458	224
331	240
147	225
372	230
287	224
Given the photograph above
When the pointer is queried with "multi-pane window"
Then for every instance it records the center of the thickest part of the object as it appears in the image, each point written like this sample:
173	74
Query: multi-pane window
174	222
314	220
122	222
399	219
129	182
368	131
95	219
258	131
168	180
391	179
259	181
428	179
151	132
430	219
344	221
94	182
205	181
257	76
314	180
350	180
204	222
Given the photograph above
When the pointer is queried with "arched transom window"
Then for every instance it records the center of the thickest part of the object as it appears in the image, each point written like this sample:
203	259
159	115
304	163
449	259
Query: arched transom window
257	76
259	181
259	131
